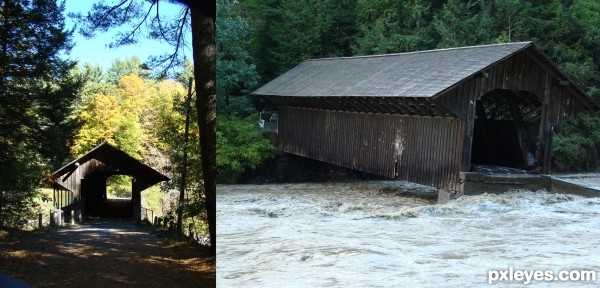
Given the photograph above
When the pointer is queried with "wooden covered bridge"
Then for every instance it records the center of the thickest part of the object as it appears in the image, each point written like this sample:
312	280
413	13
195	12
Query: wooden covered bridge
426	116
81	184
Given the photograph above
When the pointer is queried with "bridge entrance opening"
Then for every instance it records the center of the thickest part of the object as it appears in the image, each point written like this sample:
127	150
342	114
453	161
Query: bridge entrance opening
506	132
107	196
118	198
118	187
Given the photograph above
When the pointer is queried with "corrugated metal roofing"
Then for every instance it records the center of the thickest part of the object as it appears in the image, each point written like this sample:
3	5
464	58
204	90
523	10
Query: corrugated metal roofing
413	74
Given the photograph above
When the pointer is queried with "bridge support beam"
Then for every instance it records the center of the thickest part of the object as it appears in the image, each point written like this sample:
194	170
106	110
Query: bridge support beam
136	200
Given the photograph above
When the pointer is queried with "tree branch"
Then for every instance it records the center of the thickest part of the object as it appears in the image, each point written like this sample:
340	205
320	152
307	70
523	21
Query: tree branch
98	23
137	27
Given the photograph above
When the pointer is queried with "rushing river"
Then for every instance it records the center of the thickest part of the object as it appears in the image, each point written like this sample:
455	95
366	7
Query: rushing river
363	235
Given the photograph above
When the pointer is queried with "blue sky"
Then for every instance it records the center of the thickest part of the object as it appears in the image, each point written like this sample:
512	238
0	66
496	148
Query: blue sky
95	50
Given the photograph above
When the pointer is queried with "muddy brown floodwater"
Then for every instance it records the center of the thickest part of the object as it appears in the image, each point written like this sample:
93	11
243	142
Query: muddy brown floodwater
103	254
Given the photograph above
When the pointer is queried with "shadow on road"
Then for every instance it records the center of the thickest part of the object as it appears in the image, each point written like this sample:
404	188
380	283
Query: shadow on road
104	253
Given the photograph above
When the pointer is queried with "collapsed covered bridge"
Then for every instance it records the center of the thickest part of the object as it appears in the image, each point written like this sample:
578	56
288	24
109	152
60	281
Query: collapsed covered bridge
426	116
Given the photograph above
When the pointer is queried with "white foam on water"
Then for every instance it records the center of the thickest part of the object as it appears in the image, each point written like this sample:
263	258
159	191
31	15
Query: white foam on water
358	235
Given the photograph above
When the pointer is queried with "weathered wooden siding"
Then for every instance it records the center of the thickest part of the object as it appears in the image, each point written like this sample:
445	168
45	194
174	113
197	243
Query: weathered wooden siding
425	150
72	180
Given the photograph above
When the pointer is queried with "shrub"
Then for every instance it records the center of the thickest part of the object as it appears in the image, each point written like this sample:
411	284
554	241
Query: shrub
240	146
576	145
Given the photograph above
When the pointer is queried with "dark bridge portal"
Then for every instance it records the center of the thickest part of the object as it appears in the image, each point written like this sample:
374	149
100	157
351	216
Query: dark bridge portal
97	204
85	179
506	129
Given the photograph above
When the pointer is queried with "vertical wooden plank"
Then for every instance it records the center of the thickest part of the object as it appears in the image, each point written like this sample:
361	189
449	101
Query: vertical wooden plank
544	127
469	125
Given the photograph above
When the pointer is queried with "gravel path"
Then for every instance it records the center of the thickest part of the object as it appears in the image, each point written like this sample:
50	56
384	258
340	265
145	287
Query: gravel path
103	254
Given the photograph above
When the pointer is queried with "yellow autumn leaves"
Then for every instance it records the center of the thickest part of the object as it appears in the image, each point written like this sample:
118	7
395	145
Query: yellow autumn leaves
128	117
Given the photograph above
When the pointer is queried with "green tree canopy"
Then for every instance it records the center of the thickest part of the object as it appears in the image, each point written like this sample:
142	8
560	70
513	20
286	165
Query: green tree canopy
386	26
235	71
34	98
124	67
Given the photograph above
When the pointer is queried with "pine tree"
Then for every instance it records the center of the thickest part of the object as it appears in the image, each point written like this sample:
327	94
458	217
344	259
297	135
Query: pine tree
235	71
32	37
392	26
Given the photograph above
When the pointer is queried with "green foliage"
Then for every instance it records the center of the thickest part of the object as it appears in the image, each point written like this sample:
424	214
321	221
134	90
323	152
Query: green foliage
35	97
22	170
240	146
125	114
153	199
511	19
285	33
576	146
57	126
121	68
240	107
462	23
398	27
119	186
172	133
235	72
263	17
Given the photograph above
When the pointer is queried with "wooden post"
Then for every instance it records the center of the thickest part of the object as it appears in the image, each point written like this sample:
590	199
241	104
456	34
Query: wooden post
522	135
470	123
136	199
40	225
545	133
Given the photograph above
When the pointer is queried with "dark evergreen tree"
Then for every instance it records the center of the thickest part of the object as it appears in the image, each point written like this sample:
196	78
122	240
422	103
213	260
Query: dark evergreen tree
263	16
462	23
393	26
285	33
236	73
33	98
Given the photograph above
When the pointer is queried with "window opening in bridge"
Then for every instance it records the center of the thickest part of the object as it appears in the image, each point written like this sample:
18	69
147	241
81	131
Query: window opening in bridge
118	187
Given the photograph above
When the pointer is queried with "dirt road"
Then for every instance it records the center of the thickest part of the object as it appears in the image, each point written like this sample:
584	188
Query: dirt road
103	254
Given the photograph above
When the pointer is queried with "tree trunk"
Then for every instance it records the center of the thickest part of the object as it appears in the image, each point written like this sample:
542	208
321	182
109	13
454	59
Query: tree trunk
186	139
203	43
